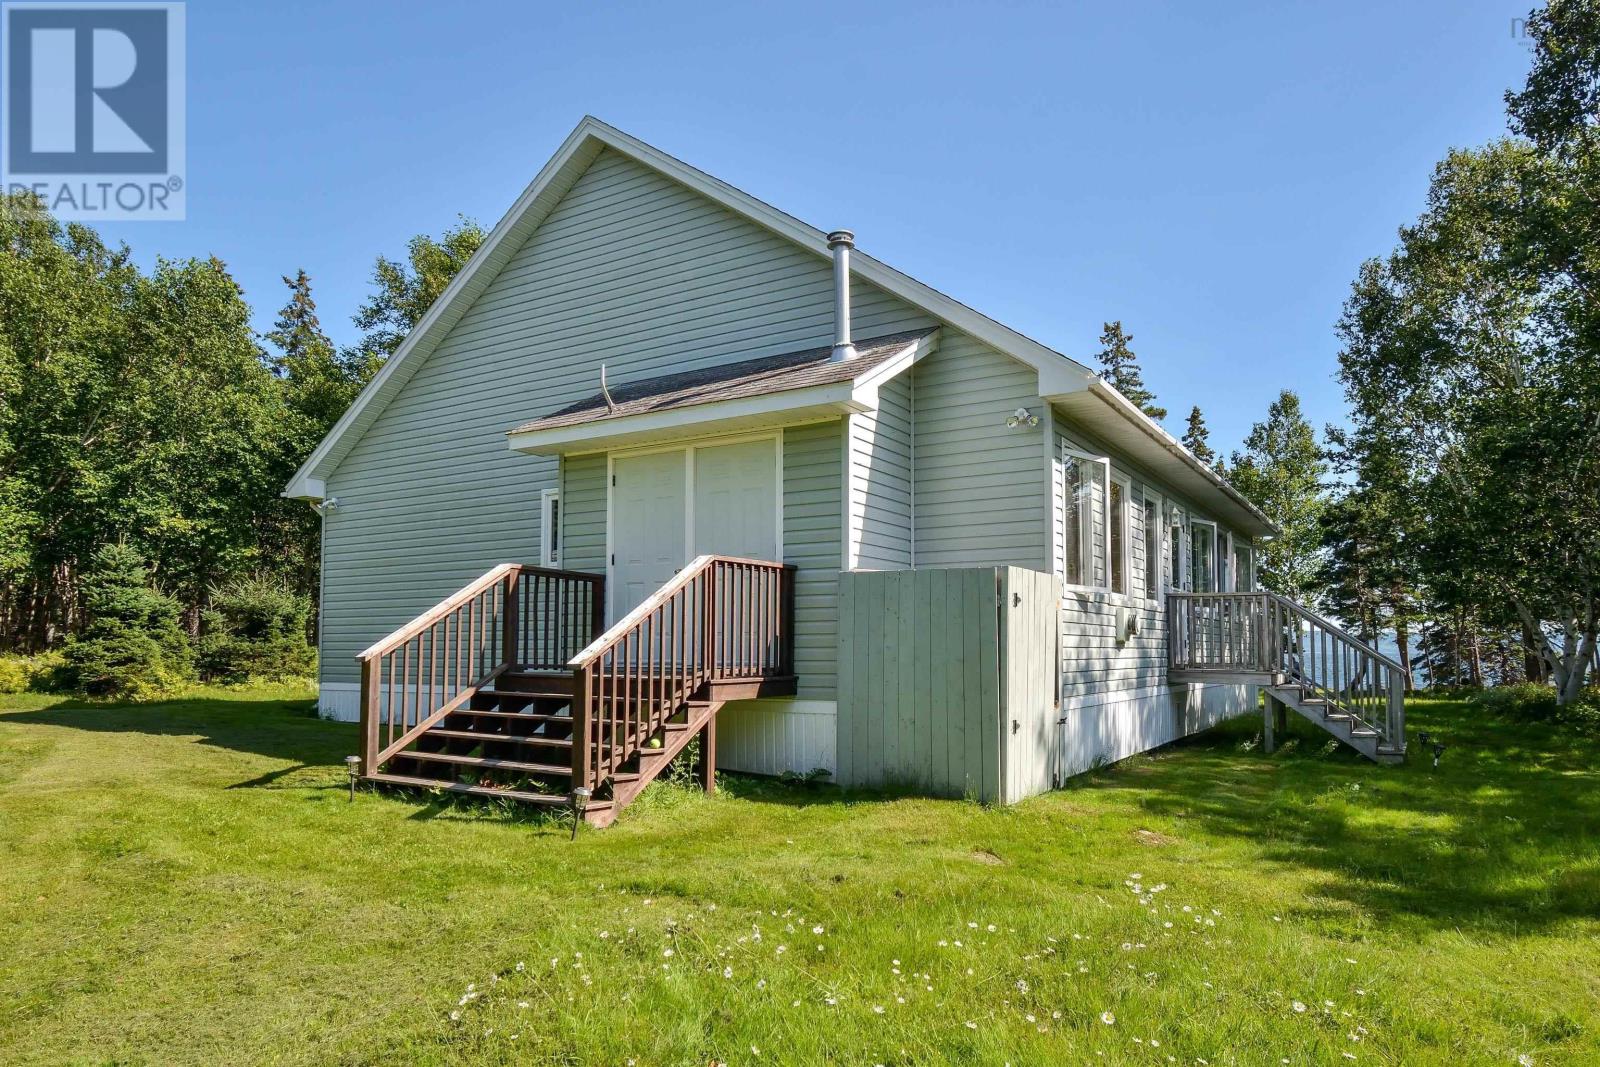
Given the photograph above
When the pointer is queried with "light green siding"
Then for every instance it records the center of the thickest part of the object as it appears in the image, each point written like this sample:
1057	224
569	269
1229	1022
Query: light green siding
583	513
813	475
880	513
629	269
981	487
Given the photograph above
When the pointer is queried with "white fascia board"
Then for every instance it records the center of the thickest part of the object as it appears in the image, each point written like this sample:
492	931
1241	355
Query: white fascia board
770	409
305	488
891	367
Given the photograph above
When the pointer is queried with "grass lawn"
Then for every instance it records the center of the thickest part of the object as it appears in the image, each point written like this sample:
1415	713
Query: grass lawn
187	883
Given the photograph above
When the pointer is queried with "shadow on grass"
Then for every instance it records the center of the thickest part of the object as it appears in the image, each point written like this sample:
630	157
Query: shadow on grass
1500	838
284	729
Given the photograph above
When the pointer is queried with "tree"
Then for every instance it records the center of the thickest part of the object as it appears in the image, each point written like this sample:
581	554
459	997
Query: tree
1559	106
1196	437
133	646
1121	369
1280	471
405	291
256	628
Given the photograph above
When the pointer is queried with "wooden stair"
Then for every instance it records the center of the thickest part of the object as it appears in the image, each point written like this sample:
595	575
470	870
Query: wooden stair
1344	726
490	693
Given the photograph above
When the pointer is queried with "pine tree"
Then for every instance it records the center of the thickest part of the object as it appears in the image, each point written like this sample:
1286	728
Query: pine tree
133	646
1195	437
1122	370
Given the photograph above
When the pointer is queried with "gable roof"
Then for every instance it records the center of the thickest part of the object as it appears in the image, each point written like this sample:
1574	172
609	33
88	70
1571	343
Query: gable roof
1060	377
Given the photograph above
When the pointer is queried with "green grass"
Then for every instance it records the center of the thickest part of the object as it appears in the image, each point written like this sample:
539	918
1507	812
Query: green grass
187	883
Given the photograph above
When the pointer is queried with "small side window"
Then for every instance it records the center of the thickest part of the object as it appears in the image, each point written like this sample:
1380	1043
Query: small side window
550	527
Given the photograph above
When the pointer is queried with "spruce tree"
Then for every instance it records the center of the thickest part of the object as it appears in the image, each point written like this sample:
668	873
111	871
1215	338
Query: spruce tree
1121	369
1280	471
133	647
1195	438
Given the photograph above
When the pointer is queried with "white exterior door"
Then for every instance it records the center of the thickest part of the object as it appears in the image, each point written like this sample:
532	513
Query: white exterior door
736	499
668	507
648	526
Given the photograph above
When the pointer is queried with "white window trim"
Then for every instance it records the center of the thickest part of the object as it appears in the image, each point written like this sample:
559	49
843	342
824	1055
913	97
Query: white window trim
1125	483
1086	540
1215	542
1177	518
549	510
1163	539
1226	579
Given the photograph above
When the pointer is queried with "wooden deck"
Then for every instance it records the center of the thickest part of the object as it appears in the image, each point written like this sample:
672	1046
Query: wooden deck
1301	660
509	690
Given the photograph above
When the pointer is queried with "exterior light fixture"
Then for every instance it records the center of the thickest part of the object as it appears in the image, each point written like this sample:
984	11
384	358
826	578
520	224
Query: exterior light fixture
1022	417
1438	750
352	769
580	804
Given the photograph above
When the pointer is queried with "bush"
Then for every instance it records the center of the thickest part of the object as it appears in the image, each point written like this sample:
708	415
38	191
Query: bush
133	647
1532	702
256	628
44	673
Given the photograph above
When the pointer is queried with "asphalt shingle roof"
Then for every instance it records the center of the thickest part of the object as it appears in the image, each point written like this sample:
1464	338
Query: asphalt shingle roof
729	381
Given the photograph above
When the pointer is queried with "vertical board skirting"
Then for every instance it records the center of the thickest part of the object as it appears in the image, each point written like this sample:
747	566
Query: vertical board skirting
933	667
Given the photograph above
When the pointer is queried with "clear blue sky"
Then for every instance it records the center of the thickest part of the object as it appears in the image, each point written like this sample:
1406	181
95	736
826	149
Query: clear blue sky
1211	176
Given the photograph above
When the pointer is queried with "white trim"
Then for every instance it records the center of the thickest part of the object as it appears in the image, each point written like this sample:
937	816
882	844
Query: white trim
549	508
1177	519
1150	496
688	449
1058	375
1215	531
1086	539
1125	483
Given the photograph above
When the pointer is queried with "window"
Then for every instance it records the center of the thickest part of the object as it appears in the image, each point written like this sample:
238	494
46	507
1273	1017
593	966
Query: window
1151	516
1176	578
550	527
1077	554
1224	562
1118	540
1203	556
1244	573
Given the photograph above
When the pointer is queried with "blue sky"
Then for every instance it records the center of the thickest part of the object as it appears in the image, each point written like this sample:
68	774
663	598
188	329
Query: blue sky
1210	175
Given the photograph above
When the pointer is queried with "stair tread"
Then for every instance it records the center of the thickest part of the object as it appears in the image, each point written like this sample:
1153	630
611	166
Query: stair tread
488	762
545	799
531	716
484	735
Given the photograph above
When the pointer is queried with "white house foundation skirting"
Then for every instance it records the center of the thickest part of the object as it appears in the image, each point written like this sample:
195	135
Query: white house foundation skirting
773	736
339	701
1106	727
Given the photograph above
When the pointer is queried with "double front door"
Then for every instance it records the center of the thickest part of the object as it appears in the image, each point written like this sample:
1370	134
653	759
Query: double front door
668	507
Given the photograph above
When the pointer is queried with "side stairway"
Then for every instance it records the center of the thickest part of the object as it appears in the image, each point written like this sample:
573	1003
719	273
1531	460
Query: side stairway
505	690
1299	659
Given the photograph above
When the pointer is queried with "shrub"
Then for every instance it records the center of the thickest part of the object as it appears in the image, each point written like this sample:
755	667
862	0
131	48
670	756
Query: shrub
256	628
1532	702
133	647
44	673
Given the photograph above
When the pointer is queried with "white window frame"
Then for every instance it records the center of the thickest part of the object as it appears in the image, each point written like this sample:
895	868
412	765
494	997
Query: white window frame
1176	519
1149	496
1226	579
1215	542
1249	549
549	535
1086	538
1125	483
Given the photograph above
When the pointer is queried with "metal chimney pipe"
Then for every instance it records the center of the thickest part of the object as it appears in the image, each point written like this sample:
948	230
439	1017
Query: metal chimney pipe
840	242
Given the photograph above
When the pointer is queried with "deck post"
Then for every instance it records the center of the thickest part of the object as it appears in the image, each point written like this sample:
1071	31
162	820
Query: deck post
1269	722
708	755
369	716
510	647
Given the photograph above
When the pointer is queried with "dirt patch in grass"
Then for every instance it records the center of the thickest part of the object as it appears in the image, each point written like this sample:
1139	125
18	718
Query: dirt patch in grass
1152	838
984	856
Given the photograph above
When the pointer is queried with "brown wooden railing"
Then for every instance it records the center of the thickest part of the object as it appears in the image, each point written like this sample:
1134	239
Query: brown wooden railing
719	619
1272	636
514	617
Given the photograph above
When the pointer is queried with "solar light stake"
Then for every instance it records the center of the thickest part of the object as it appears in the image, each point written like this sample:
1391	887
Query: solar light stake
352	767
1438	750
580	804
